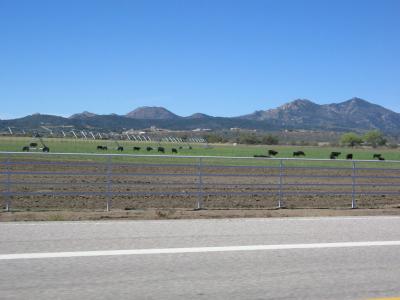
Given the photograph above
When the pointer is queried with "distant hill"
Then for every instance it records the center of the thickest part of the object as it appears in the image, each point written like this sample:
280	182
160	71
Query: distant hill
34	121
352	115
82	115
151	113
198	116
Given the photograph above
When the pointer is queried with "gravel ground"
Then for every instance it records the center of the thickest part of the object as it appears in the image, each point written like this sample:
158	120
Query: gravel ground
154	214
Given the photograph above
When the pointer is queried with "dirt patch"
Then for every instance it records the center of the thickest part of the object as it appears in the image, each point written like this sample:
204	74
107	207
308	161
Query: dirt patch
159	214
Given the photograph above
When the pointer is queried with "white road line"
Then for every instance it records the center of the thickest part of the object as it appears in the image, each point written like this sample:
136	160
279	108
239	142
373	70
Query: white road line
196	250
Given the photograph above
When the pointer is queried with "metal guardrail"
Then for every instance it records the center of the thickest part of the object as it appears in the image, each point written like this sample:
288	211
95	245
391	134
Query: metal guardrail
18	171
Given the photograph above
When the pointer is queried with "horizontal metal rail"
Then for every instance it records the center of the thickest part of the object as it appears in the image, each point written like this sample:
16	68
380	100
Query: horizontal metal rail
189	174
27	183
205	193
189	156
131	165
97	164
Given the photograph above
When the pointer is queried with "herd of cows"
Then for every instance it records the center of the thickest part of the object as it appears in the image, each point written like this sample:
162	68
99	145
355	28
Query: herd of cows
148	148
333	155
271	153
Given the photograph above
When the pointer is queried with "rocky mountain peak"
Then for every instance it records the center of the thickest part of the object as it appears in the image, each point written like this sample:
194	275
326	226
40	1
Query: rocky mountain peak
298	104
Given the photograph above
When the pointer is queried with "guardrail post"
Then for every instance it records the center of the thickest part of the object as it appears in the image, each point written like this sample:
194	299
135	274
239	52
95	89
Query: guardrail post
8	188
199	204
109	183
353	186
280	197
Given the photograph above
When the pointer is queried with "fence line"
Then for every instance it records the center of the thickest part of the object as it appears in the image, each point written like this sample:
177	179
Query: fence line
19	183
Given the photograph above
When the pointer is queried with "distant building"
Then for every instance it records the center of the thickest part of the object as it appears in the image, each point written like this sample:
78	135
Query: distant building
201	129
242	129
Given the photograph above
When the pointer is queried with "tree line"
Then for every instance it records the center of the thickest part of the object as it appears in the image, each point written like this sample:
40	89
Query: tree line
373	138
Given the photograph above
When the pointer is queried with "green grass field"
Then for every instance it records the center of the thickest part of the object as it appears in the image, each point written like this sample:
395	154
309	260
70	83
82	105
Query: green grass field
89	146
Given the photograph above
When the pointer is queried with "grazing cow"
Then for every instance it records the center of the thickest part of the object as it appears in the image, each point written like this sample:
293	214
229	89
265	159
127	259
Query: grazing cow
174	150
102	147
381	158
334	155
260	155
136	148
349	156
120	148
46	149
190	148
25	148
161	149
377	155
272	152
149	148
33	145
299	153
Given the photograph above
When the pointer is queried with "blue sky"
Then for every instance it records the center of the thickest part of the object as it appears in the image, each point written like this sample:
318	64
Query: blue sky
223	58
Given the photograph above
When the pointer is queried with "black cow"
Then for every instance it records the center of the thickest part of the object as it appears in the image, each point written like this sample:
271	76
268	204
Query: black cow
149	148
299	153
136	148
161	149
190	148
381	158
34	145
334	155
180	147
25	148
272	152
102	147
174	150
120	148
377	155
46	149
349	156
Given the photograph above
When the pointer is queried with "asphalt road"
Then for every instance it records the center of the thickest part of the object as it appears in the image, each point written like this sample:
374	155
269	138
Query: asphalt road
318	271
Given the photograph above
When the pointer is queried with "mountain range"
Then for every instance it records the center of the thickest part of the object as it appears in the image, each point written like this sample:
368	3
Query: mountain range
352	115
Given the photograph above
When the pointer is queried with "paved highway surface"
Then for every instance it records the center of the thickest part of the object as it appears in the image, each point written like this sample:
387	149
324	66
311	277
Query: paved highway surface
293	258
